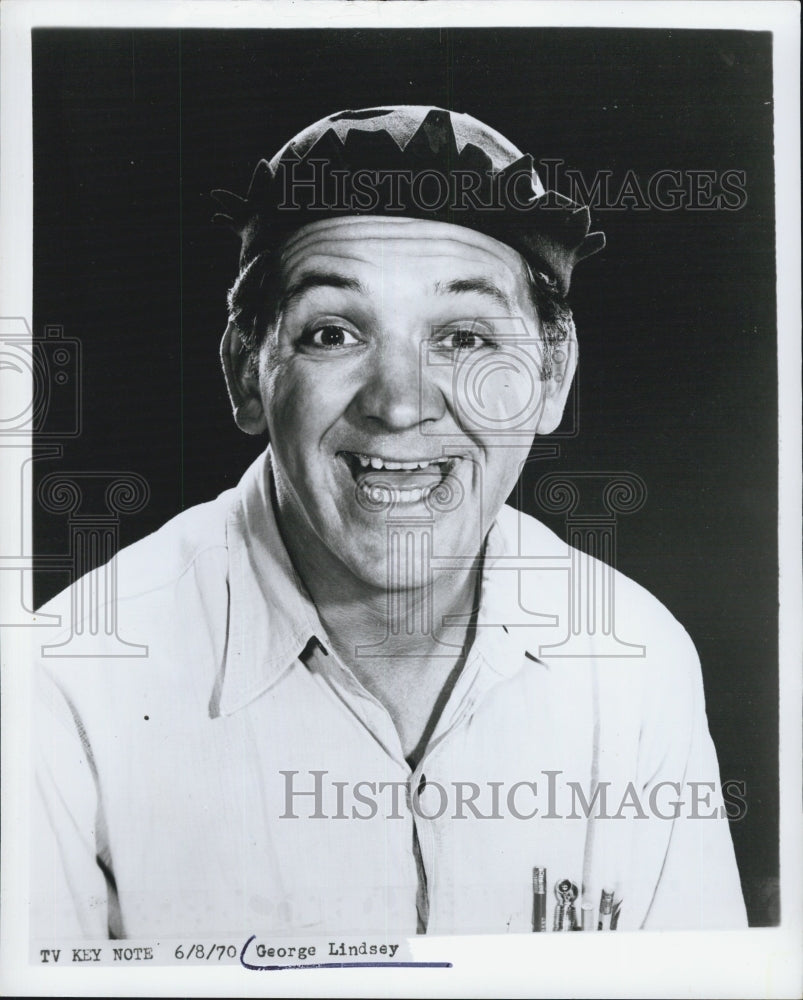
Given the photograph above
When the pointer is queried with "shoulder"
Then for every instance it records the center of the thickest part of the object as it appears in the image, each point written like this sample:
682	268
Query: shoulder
614	619
161	557
159	577
608	642
147	626
164	556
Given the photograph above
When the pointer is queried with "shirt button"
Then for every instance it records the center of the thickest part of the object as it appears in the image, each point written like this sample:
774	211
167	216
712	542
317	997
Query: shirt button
431	801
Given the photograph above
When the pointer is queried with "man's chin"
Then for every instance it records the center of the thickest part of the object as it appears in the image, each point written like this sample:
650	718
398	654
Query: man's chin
398	552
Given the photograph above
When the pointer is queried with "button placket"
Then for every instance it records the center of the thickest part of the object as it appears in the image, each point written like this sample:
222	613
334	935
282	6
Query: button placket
425	835
432	833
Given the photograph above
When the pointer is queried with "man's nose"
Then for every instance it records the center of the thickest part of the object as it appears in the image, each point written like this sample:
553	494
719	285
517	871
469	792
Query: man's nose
396	392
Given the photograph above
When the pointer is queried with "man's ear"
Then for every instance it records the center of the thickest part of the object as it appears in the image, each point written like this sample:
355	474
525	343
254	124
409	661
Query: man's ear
242	383
557	384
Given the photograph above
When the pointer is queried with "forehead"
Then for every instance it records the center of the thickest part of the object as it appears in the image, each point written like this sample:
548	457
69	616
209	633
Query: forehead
402	251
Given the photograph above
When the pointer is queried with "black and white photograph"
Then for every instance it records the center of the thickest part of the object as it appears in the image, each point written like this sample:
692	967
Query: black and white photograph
396	538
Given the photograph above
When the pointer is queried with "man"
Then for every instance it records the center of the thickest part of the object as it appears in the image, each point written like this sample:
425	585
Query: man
355	713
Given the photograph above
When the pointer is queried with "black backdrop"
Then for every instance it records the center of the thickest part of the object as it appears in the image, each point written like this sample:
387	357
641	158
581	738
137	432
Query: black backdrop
676	318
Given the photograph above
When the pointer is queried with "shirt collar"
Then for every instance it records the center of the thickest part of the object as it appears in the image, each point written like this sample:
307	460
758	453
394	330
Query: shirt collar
271	616
504	636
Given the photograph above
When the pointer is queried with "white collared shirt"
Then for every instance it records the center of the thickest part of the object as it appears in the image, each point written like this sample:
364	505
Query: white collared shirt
239	779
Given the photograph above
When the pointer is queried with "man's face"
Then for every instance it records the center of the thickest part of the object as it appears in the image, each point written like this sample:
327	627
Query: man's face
400	382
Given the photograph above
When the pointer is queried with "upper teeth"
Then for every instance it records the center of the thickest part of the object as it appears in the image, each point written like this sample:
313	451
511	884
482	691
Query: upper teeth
382	463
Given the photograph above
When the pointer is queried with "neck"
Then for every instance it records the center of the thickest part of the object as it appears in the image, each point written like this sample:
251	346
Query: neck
405	625
393	638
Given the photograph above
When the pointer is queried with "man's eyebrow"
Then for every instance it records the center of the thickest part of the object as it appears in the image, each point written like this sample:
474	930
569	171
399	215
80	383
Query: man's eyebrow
319	279
480	285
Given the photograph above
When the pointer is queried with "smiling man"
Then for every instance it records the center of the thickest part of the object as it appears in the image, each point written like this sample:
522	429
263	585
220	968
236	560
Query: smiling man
384	438
353	715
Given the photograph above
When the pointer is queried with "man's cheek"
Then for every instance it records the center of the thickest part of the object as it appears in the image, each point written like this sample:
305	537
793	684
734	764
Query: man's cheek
497	394
280	412
290	393
512	401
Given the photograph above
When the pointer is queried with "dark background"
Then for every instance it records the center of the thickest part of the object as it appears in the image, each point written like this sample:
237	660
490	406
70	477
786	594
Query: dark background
676	318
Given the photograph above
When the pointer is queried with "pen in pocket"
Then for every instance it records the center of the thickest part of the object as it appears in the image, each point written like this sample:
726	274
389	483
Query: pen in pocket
615	910
539	899
605	910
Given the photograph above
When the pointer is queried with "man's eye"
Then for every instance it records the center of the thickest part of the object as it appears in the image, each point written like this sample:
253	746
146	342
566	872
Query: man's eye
463	339
330	336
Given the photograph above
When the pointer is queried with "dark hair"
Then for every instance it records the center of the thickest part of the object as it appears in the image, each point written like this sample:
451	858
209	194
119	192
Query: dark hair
254	299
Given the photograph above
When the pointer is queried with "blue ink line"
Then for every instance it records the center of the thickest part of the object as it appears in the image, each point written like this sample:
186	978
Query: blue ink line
350	965
339	965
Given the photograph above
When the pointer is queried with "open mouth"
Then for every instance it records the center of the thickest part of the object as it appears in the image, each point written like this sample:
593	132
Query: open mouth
386	480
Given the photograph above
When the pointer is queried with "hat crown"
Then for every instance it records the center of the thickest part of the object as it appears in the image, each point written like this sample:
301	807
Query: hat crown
402	123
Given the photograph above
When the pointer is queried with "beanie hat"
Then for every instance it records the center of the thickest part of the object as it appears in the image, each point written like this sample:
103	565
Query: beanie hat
416	162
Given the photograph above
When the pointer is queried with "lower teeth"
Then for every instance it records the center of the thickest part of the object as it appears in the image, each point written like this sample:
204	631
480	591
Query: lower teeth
389	495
